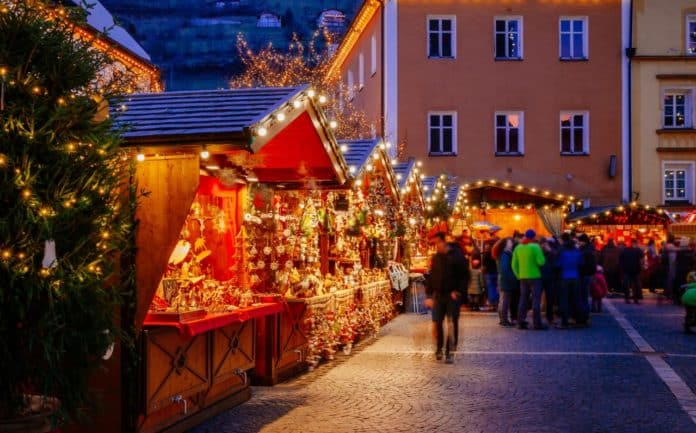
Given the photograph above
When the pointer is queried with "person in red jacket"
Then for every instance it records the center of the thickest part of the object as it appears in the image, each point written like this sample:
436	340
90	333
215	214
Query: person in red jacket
598	290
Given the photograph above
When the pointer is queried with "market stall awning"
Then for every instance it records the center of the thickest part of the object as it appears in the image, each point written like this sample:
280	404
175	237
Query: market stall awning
629	214
504	194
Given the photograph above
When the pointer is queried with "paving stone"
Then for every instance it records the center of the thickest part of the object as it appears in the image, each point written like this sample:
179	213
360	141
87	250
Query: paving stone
394	385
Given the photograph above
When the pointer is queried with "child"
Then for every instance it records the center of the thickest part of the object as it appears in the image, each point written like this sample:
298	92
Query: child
598	290
689	302
476	286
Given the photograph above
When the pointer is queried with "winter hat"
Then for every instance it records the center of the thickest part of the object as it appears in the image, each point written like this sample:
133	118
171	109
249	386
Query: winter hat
530	234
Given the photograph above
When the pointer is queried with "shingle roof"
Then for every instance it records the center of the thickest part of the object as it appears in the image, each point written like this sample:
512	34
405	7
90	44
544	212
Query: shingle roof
358	151
452	193
169	114
429	185
404	171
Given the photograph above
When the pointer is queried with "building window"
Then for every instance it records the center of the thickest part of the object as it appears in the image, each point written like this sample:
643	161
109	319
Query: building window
442	137
573	38
575	136
509	137
691	35
676	111
373	55
508	38
361	71
678	182
351	86
441	36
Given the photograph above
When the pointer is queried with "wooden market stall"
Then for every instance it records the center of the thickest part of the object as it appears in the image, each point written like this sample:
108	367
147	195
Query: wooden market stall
510	208
622	223
367	233
685	227
199	153
412	209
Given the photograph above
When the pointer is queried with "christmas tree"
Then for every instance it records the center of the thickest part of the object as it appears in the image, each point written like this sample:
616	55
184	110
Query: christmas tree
65	211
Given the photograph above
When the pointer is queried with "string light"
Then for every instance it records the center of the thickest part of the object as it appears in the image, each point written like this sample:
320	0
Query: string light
296	103
322	99
333	124
140	157
311	93
262	132
280	117
204	153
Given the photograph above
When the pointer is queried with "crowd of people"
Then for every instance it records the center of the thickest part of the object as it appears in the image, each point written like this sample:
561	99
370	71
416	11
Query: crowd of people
566	276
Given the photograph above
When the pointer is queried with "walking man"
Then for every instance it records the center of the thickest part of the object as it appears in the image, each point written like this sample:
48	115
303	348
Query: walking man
527	260
445	291
569	262
630	262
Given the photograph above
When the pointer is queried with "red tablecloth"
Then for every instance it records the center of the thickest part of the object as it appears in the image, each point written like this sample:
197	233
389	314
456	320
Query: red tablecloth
217	320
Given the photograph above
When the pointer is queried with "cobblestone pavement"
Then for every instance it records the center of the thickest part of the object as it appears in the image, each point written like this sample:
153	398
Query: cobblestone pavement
503	380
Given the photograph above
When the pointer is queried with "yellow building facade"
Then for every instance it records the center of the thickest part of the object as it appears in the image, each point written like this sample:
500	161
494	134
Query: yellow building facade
663	91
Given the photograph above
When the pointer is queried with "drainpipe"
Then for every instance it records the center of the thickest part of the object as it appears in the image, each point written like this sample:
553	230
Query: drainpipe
631	51
383	100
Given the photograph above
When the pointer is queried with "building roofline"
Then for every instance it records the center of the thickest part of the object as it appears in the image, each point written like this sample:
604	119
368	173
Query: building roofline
367	11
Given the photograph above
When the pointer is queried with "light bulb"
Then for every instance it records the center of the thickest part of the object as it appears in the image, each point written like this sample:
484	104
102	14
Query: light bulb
322	99
205	154
262	132
344	148
280	117
333	124
140	157
311	93
296	103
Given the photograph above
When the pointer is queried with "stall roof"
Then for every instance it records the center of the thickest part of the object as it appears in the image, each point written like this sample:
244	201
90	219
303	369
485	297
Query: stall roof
452	195
622	214
173	115
429	185
356	152
584	213
403	171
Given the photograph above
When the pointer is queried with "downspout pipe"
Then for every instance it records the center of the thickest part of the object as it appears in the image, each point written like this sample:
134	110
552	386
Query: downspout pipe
383	89
630	52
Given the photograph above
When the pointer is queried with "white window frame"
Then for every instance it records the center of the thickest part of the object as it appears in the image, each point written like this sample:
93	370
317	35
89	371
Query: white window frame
689	19
520	31
452	18
586	132
361	71
520	133
373	56
585	37
690	168
454	133
688	92
351	85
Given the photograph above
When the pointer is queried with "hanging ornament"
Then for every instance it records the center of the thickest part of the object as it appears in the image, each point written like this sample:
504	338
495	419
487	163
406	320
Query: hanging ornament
49	258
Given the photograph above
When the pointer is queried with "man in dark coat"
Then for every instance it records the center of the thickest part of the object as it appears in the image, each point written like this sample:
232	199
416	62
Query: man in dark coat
446	288
630	262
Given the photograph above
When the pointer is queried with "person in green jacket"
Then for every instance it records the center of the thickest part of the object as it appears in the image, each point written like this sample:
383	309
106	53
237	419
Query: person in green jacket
527	260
